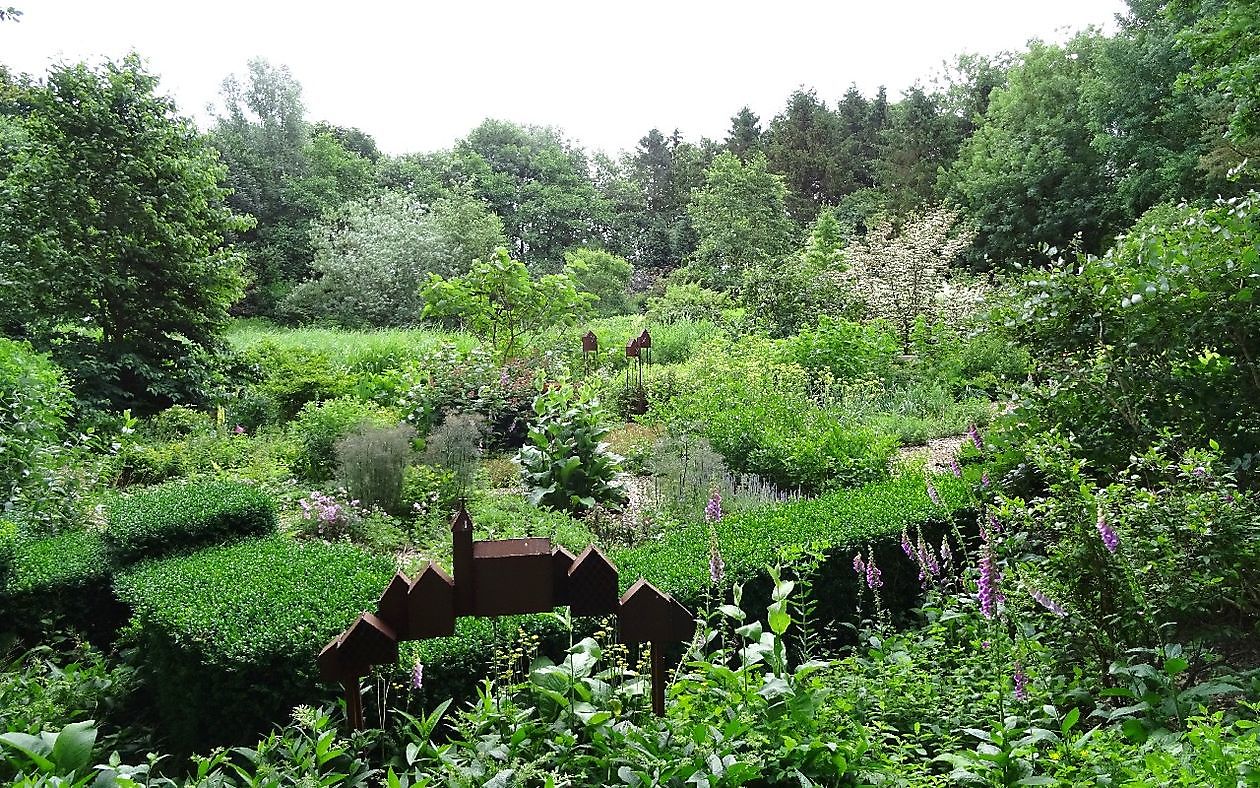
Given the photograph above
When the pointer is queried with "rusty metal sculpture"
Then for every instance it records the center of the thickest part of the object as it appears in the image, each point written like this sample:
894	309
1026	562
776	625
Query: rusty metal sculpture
496	578
590	347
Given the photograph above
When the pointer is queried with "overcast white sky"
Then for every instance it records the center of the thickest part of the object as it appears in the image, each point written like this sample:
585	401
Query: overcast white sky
418	75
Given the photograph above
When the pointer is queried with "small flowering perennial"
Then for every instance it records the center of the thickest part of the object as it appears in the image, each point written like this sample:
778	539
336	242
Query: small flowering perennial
874	579
990	581
995	527
1047	603
859	567
417	675
933	495
976	440
955	469
947	555
717	567
1110	540
906	547
1020	678
713	509
984	480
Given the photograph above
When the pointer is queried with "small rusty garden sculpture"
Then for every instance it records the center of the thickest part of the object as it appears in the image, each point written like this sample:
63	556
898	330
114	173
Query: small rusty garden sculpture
590	347
496	578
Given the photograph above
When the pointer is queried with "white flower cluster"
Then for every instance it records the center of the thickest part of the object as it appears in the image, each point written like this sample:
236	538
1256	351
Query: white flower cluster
899	272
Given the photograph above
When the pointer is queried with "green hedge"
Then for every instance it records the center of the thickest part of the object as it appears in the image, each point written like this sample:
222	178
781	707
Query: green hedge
228	636
873	514
64	578
173	517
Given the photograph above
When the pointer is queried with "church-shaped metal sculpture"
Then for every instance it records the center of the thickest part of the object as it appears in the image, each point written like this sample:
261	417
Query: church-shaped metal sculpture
498	578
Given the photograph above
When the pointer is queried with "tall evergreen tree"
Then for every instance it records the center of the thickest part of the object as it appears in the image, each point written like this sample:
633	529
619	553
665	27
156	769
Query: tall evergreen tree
745	135
805	144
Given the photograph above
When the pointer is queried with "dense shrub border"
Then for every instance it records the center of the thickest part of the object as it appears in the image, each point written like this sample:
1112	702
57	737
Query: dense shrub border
837	524
171	517
228	636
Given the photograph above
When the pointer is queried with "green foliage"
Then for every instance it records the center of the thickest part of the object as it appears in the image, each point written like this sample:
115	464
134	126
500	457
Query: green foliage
845	350
538	183
741	220
34	403
604	275
290	377
177	517
371	462
737	715
66	754
1025	195
208	625
178	421
8	545
1222	42
1155	342
758	414
498	300
566	464
689	301
319	425
372	257
114	223
875	513
282	172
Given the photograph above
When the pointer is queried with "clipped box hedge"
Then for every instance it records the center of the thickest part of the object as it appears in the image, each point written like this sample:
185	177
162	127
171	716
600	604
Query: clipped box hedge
177	517
228	636
65	578
839	524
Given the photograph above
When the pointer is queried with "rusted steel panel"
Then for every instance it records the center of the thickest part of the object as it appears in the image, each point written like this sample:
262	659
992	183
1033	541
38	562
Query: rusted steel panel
511	548
392	606
592	584
369	641
431	604
513	584
561	561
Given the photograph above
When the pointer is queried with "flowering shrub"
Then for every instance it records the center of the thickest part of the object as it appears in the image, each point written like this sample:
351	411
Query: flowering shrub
901	273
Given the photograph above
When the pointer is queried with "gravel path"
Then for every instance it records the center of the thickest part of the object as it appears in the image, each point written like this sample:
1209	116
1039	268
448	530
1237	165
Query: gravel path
937	453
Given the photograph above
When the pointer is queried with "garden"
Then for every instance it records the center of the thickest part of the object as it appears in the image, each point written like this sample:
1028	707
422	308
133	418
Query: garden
954	496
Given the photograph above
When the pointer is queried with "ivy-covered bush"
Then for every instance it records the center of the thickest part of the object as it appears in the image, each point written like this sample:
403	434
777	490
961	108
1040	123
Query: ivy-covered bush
173	517
567	465
320	425
228	636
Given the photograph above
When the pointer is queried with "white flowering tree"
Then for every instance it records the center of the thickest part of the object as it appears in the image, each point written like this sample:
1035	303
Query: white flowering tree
898	273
